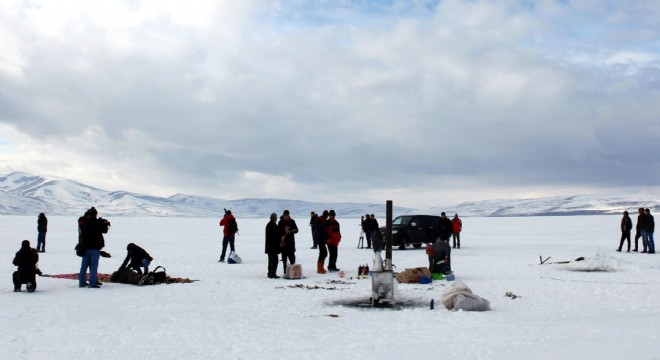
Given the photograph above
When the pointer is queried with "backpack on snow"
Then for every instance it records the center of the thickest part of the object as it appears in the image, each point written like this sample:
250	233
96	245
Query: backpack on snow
234	259
232	226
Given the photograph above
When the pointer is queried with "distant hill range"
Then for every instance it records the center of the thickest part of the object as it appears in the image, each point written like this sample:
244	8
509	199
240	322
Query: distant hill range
26	194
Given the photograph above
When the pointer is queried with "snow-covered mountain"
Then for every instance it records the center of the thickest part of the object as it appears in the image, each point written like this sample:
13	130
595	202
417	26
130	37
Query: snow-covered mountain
555	206
26	194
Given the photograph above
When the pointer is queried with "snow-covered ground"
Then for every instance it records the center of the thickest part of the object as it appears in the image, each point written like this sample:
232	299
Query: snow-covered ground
235	312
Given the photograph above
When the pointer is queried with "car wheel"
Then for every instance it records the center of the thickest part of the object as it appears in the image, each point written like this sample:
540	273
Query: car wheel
417	246
403	241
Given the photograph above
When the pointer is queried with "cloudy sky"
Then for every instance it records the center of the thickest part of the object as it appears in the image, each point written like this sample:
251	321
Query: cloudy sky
422	102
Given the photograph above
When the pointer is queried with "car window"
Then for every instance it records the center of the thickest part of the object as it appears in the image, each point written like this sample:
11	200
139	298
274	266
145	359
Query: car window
401	220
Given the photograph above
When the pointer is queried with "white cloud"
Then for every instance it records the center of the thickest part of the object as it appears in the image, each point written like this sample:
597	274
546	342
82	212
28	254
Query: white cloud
323	99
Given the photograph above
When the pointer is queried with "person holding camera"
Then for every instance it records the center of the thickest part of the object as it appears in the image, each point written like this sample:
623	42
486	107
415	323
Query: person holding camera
288	228
26	259
91	242
230	228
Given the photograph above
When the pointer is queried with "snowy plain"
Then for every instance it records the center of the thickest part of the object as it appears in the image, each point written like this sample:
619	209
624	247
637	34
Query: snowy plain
563	311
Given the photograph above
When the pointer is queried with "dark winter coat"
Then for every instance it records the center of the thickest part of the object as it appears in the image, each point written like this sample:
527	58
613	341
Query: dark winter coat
320	231
445	228
26	259
288	229
367	225
91	232
42	224
650	223
136	256
626	225
273	236
312	222
442	251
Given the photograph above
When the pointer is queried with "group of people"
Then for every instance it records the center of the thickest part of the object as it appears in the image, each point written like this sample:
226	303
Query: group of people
439	252
90	244
326	236
450	229
644	229
370	228
280	239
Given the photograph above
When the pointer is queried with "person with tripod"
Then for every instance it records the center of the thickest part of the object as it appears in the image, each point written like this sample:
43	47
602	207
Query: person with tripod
367	229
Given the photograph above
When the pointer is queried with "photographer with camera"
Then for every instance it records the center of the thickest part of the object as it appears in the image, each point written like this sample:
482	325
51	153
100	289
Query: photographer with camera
230	228
91	242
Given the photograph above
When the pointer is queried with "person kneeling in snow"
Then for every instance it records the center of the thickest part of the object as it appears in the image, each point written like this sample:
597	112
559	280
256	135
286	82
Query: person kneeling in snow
26	259
440	261
137	257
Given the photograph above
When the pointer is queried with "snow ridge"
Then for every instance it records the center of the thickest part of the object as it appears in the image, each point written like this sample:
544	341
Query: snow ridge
27	194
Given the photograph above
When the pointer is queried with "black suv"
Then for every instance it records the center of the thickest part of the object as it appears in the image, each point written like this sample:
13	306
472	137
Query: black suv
413	230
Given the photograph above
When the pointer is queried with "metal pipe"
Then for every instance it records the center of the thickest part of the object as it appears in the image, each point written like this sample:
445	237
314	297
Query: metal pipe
388	230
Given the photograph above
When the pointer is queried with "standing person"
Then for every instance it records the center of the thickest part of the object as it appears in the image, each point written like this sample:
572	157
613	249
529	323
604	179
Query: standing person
445	228
137	257
92	241
375	230
626	227
273	246
42	227
367	228
456	227
648	231
321	238
26	259
313	218
230	228
639	228
334	237
288	229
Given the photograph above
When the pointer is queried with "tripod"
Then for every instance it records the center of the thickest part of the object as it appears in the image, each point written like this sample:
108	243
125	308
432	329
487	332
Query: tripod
361	240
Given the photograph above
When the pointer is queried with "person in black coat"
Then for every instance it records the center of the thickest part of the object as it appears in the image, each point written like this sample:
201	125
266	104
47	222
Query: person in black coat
313	218
445	228
42	228
288	229
441	259
91	242
626	227
273	245
137	257
26	259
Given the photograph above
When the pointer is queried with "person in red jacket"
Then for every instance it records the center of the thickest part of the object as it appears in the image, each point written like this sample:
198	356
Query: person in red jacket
321	239
229	233
457	226
334	237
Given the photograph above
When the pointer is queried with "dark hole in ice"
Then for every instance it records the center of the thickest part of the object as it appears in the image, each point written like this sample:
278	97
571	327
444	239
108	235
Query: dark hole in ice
365	303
